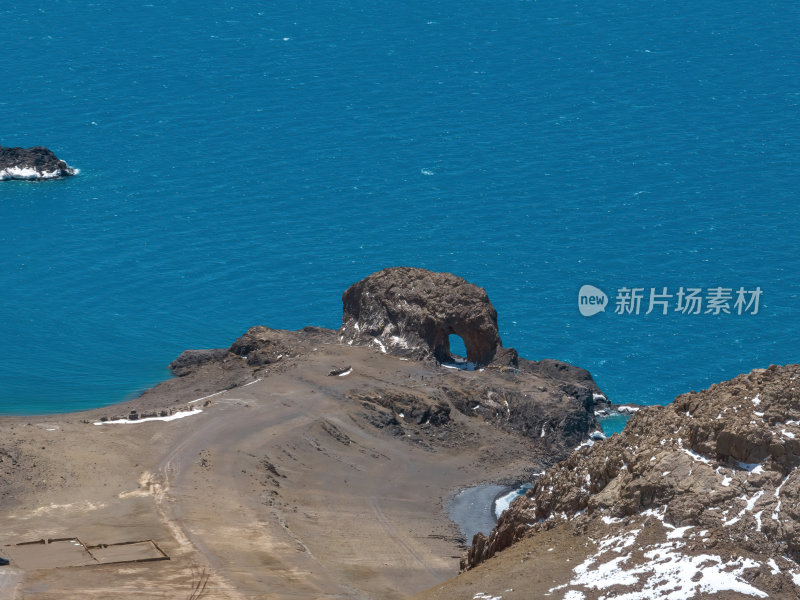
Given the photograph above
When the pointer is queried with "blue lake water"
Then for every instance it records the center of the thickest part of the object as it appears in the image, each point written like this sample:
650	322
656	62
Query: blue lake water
242	163
614	423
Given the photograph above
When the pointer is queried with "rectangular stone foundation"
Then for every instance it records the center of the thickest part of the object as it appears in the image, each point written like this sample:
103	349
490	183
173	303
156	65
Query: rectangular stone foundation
71	552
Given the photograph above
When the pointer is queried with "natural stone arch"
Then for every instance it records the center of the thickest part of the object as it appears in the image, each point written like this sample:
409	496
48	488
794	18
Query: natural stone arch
410	311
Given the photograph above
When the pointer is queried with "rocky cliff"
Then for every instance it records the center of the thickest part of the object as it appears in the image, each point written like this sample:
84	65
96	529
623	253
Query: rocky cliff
412	312
32	163
698	497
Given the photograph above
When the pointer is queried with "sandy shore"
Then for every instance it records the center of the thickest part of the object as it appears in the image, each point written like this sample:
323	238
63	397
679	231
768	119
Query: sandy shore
282	486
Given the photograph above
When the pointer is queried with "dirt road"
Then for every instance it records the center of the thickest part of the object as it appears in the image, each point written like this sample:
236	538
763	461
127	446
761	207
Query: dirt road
280	489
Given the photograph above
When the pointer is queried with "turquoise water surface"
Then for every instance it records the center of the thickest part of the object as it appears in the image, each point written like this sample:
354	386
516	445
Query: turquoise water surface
244	162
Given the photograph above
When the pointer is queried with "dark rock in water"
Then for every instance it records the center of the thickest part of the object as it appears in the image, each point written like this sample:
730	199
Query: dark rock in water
556	369
190	360
32	163
412	312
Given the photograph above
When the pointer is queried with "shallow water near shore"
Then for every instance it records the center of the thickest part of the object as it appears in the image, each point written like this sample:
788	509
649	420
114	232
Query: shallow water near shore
243	164
472	509
613	423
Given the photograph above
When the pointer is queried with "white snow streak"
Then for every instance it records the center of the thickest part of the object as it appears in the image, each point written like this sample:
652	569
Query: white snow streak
177	415
668	574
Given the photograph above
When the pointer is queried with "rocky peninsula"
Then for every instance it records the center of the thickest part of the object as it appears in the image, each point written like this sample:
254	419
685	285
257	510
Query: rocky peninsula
32	164
320	463
315	463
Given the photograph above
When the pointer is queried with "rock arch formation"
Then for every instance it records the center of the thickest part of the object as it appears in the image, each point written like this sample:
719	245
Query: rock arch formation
412	312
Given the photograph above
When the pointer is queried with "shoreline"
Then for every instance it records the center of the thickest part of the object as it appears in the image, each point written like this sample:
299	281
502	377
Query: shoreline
271	481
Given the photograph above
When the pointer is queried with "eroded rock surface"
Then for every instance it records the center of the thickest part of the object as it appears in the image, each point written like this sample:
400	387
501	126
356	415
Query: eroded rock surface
549	403
190	360
709	481
412	312
32	163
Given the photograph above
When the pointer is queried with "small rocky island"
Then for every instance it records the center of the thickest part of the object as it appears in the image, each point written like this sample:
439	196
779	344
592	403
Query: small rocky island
32	164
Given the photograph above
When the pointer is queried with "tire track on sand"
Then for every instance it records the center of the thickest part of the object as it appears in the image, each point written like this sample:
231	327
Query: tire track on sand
167	507
393	533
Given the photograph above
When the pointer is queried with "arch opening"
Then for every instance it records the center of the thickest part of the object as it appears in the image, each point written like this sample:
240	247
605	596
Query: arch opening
458	353
458	349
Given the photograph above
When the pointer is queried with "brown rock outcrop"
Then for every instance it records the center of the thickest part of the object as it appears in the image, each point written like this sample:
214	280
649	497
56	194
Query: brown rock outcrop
412	312
190	360
723	461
